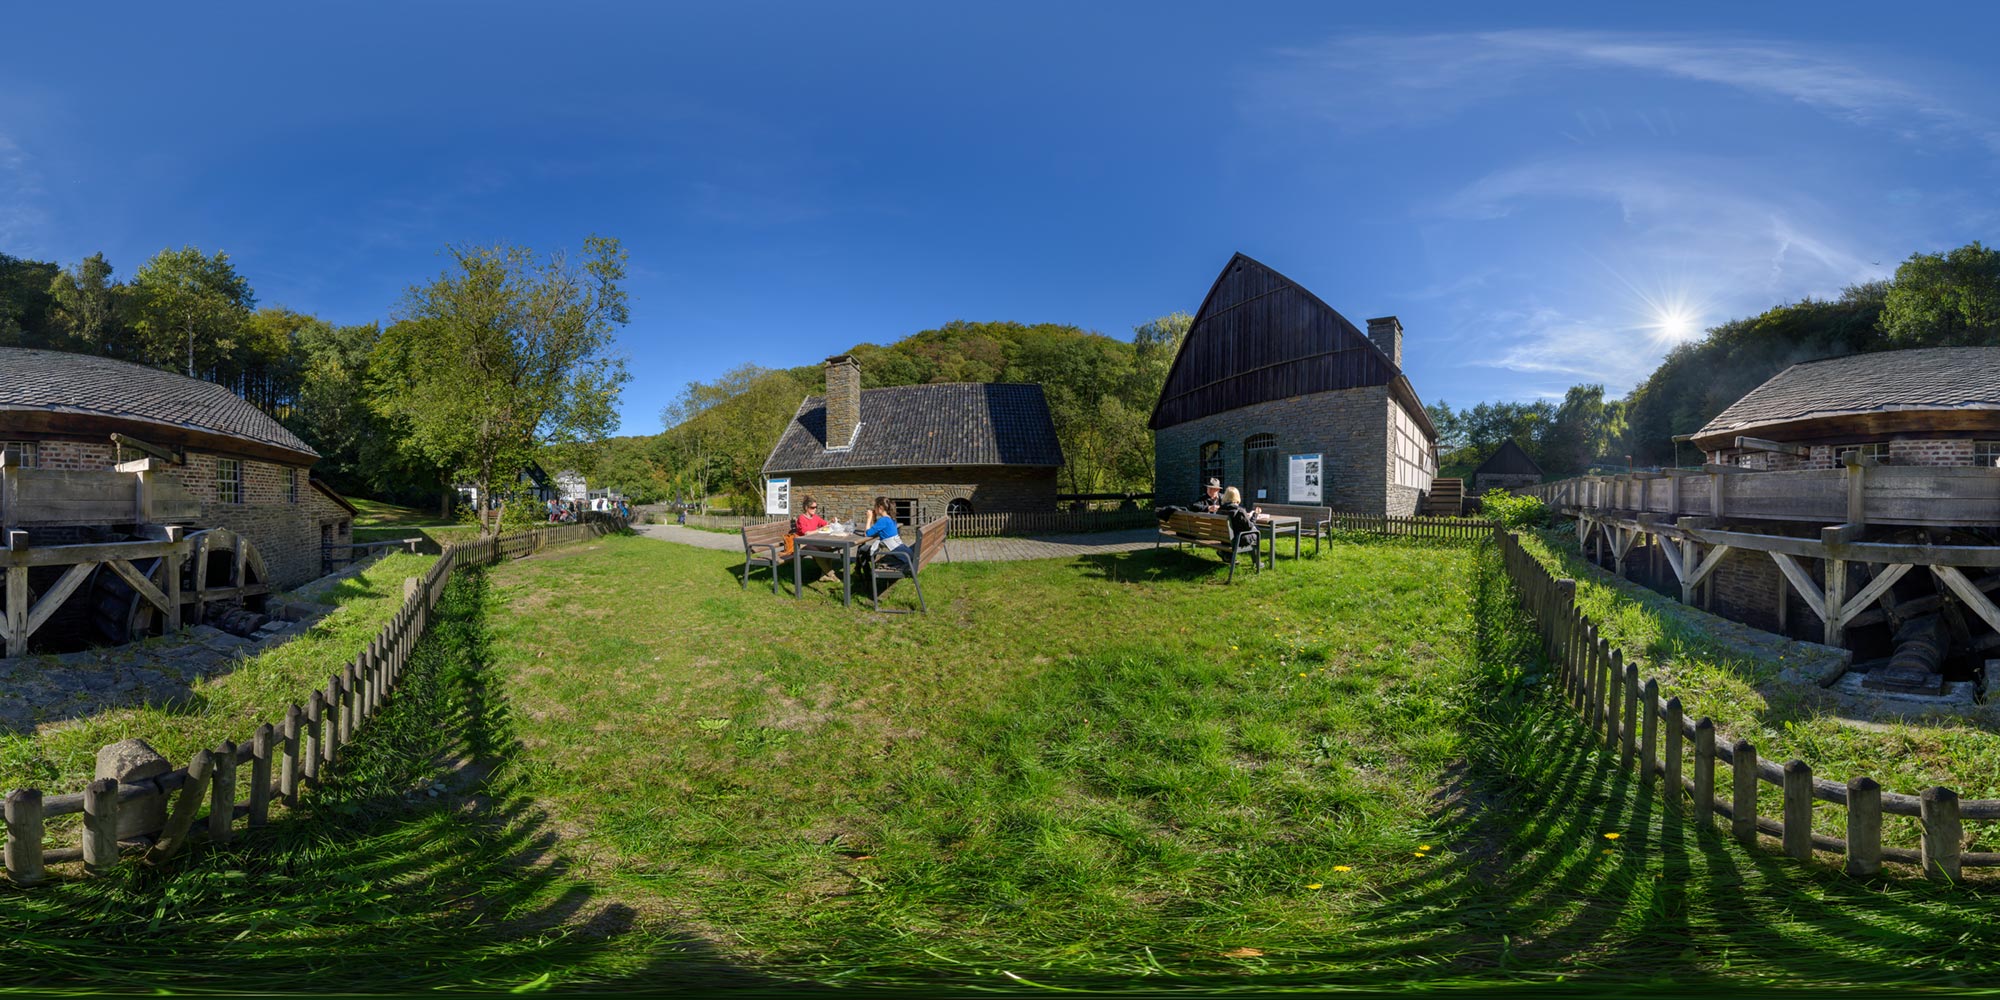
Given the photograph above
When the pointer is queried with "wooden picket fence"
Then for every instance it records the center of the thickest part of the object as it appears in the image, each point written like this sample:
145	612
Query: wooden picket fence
1624	711
284	759
1456	529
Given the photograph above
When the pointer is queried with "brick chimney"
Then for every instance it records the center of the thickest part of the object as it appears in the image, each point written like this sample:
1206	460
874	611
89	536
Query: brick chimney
843	401
1387	333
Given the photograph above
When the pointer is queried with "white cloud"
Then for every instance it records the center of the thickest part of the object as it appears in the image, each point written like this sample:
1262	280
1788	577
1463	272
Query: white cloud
1377	80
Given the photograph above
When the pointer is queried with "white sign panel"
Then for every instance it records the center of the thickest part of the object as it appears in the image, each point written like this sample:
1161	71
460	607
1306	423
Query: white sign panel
778	497
1305	478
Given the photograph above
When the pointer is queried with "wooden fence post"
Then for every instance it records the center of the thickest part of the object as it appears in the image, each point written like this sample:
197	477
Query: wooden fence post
1937	807
1743	808
330	740
1671	763
1608	666
312	754
100	824
1628	735
1864	827
1649	729
1589	671
222	800
260	774
24	836
180	818
1798	809
288	769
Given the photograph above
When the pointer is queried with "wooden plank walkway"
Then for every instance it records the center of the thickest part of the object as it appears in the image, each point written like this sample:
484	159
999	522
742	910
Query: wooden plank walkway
962	549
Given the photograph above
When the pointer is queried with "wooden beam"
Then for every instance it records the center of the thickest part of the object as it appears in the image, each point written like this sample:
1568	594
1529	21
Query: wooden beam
1802	582
135	444
54	596
143	465
16	608
1835	595
1672	551
1708	563
1973	597
1718	469
1779	447
139	583
1807	548
1857	492
1877	589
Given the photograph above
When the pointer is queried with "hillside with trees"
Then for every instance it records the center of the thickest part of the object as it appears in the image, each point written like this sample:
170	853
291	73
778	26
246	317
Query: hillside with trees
1100	390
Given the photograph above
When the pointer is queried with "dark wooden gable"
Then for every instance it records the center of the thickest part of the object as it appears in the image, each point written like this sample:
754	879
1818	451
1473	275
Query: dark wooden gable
1508	460
1260	337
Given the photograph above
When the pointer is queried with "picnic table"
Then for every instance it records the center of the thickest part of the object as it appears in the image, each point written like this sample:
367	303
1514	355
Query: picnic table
827	543
1270	526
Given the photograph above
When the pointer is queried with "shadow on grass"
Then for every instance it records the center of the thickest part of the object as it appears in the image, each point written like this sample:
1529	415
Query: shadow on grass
1568	865
421	864
1168	563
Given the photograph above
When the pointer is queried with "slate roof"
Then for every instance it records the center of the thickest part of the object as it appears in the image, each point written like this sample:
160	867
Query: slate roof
920	426
80	383
1927	378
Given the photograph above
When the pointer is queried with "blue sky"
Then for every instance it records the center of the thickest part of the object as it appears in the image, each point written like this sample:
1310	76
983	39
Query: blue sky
1543	197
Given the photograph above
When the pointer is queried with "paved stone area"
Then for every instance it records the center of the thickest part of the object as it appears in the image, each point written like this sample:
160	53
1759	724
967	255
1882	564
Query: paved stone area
962	550
37	690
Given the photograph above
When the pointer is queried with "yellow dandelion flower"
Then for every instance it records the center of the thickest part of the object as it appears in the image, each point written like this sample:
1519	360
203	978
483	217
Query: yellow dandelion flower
1423	847
1301	675
1419	854
1343	868
1611	836
1312	885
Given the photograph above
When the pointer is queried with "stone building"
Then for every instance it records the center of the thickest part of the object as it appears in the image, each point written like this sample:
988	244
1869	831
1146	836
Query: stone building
1508	467
1269	376
218	462
955	448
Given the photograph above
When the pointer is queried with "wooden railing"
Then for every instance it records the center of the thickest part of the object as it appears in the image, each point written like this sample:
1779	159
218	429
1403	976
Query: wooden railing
136	492
1624	710
987	525
1856	494
286	759
1457	529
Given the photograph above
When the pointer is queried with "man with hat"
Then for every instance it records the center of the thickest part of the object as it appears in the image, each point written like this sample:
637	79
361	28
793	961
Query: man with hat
1211	500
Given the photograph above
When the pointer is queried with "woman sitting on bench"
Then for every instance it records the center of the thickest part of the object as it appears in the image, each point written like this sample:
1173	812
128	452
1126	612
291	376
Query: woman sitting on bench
885	536
1241	521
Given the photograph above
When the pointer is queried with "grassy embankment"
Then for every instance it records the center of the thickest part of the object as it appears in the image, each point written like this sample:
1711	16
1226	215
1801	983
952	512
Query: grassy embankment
1108	772
1784	721
60	756
380	522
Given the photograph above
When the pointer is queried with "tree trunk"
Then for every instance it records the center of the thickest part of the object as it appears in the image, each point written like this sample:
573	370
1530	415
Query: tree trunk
444	504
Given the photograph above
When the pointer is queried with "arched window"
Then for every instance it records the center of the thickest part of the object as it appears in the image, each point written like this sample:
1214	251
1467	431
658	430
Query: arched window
1211	463
958	507
1260	468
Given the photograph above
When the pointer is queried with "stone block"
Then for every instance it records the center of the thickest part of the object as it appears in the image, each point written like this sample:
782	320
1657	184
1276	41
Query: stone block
132	762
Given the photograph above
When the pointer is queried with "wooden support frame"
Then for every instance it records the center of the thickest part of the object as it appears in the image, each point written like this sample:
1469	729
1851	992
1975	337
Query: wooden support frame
1745	443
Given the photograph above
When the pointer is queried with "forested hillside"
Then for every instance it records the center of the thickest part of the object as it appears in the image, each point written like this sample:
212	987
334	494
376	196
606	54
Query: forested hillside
1100	390
1934	300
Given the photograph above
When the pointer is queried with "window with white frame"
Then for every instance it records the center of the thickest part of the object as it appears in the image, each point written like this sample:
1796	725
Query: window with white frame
20	454
1878	451
292	485
1986	453
228	480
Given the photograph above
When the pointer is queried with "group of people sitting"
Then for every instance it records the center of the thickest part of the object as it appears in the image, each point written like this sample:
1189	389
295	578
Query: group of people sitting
1217	500
884	534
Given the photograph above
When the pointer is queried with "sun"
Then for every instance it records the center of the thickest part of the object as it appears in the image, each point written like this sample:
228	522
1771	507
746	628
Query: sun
1675	324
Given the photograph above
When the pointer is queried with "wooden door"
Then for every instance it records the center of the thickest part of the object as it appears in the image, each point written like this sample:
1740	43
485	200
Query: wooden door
1262	470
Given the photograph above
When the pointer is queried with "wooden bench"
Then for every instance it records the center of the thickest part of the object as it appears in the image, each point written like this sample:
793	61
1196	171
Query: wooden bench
1318	520
764	545
1210	531
907	562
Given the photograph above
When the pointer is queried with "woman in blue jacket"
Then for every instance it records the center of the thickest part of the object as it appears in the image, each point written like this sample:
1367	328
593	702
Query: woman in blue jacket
884	534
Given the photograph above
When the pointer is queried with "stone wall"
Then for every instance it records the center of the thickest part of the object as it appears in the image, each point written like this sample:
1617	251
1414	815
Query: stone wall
989	489
278	510
1349	428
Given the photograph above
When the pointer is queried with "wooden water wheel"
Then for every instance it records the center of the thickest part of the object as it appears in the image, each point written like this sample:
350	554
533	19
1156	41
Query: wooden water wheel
223	572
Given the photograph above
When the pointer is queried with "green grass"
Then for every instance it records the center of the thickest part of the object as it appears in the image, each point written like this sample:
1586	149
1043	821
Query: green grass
60	756
1103	773
1784	721
381	514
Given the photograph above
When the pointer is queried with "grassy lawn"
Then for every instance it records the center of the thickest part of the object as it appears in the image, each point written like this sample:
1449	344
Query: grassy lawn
1104	773
61	756
1736	691
381	514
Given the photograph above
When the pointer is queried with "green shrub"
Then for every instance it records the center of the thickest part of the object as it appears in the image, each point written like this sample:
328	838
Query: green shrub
1514	511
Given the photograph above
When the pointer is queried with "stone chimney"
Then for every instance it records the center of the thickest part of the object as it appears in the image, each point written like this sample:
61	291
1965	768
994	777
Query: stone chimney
843	401
1387	333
